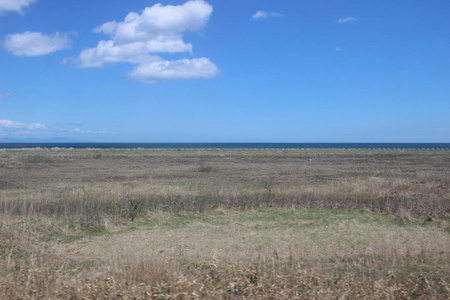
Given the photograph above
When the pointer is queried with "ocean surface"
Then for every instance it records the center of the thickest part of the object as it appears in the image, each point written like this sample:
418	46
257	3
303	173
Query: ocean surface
230	145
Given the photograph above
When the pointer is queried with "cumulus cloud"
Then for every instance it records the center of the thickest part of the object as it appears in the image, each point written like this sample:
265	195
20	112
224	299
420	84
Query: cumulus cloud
8	124
168	21
35	43
135	53
198	68
140	37
14	5
260	14
346	20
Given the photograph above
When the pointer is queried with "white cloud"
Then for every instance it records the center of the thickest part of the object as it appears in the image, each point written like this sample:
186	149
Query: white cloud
35	43
7	94
159	21
346	20
78	130
198	68
81	131
14	5
260	14
8	124
158	29
135	53
14	128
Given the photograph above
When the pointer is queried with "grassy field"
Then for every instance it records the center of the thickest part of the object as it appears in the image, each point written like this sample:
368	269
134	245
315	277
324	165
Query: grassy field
224	224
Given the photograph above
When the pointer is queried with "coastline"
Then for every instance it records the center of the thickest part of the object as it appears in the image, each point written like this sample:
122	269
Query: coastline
227	145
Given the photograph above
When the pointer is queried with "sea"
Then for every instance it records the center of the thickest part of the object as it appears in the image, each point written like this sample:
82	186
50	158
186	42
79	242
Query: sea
229	145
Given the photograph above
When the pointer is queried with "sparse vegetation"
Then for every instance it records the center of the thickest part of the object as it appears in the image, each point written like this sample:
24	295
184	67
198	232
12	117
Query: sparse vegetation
242	224
37	159
204	167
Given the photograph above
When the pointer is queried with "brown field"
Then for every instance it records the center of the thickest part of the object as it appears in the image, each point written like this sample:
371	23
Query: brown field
224	224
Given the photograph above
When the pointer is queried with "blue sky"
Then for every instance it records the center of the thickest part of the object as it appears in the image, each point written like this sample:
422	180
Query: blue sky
225	71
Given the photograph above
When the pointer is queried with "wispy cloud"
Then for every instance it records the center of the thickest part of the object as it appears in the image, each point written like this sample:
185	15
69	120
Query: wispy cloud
36	43
8	124
9	128
158	29
81	131
14	5
261	14
7	94
346	20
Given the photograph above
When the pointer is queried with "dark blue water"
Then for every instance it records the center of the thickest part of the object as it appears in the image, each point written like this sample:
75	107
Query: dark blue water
231	145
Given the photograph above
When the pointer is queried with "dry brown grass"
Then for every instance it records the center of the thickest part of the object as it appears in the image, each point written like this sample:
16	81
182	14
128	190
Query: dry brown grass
58	182
224	224
262	254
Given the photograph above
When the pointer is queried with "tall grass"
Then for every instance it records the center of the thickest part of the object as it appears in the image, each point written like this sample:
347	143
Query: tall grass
153	280
224	224
133	267
90	207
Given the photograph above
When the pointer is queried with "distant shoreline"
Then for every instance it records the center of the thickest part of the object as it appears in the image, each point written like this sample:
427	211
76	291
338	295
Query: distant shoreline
83	145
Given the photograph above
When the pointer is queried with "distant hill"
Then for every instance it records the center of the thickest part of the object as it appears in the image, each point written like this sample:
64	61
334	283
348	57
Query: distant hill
48	140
